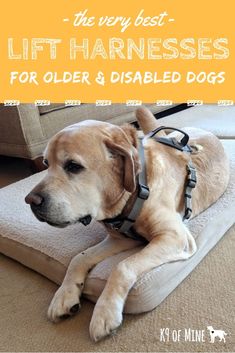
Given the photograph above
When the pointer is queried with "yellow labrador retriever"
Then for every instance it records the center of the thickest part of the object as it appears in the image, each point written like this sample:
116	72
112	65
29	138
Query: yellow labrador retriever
92	173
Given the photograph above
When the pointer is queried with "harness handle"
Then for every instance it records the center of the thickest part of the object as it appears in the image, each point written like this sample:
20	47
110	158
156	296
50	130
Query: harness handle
181	145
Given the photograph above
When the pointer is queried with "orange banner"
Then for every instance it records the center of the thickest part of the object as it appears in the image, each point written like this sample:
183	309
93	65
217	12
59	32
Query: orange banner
125	51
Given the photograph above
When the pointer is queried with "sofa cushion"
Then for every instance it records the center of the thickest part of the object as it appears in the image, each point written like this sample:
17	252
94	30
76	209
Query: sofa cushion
43	109
24	131
115	114
49	250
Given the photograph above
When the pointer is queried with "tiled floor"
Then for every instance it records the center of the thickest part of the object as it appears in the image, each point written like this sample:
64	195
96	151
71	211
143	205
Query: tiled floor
12	170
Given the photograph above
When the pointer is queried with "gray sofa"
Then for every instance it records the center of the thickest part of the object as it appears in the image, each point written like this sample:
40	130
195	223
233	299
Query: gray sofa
25	129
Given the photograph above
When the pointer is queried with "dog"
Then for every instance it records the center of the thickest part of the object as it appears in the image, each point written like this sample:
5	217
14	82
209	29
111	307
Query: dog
216	333
92	174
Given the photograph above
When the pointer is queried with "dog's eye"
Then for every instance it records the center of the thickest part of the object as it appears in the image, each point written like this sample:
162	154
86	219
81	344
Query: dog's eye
73	167
45	162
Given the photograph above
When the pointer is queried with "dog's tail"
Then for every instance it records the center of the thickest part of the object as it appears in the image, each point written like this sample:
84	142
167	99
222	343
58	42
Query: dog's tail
147	121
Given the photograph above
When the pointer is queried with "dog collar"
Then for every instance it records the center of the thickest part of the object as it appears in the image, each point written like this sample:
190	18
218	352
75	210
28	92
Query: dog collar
125	224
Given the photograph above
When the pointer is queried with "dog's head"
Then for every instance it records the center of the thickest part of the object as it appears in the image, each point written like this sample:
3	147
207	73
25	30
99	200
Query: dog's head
92	168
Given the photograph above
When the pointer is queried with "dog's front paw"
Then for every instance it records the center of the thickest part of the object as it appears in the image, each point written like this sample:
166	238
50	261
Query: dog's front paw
65	302
105	320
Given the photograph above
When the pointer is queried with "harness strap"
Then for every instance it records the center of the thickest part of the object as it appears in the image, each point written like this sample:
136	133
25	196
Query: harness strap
143	194
190	185
183	146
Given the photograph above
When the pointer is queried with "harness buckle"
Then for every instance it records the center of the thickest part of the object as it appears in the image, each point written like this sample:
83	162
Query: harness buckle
143	192
191	183
192	177
188	213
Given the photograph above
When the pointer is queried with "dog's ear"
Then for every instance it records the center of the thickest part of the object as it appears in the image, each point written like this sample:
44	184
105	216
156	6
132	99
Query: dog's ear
124	144
131	133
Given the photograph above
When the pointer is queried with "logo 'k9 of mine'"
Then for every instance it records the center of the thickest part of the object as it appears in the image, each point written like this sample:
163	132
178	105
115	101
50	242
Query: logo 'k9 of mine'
191	335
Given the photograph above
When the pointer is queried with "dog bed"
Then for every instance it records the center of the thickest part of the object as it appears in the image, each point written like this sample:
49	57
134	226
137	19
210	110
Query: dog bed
218	119
49	250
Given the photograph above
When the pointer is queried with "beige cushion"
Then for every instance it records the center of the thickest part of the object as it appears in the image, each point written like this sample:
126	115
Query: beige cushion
49	250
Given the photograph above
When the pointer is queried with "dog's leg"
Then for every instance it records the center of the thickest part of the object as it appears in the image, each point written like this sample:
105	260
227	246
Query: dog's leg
163	248
66	300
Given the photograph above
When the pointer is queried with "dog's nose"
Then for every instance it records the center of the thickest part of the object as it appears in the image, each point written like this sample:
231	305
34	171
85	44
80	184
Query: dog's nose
34	199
